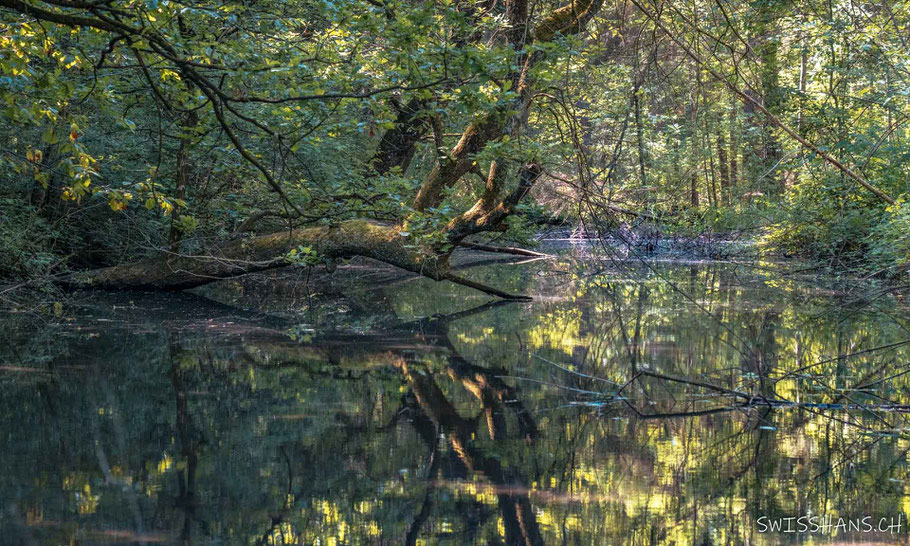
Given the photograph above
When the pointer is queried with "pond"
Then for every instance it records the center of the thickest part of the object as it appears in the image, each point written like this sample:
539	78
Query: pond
629	403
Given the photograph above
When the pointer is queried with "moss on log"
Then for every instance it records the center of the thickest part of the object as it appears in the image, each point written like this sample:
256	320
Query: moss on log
179	272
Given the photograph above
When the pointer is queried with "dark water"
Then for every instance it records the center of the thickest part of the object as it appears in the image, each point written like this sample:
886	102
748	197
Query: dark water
411	412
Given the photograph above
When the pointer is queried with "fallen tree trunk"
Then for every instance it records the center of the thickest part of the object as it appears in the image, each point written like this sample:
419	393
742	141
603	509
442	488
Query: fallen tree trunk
366	238
348	239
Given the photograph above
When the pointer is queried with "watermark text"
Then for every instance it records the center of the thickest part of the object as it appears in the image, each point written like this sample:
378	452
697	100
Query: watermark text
830	525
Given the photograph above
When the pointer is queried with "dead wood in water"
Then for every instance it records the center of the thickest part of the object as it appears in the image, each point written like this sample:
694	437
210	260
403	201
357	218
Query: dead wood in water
381	242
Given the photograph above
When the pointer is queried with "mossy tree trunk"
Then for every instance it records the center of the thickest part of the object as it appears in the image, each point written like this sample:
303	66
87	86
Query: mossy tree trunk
386	243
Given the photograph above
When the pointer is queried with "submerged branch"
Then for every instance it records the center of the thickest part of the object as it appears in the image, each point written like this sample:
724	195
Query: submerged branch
503	249
485	289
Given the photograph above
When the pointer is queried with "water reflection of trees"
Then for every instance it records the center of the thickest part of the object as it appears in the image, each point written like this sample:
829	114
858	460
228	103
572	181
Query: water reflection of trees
499	424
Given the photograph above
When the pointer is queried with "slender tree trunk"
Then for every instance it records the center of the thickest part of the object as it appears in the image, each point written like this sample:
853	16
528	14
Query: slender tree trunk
693	180
722	167
182	176
803	80
696	151
734	150
889	93
712	185
640	137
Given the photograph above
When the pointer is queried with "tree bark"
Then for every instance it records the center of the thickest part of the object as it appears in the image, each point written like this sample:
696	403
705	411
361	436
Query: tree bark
734	148
348	239
722	166
693	190
639	135
398	144
183	168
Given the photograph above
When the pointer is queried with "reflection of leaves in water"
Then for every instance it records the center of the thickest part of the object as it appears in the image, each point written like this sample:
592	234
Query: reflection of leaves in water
473	427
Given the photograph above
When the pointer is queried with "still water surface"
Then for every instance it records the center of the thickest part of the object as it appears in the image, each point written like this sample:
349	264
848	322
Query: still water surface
669	404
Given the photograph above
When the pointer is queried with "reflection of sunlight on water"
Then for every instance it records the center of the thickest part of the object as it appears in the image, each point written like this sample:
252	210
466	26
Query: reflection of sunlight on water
462	425
486	493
